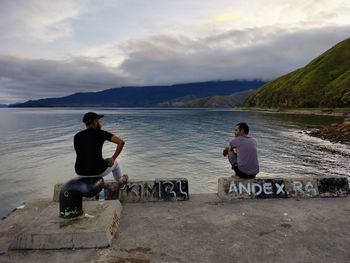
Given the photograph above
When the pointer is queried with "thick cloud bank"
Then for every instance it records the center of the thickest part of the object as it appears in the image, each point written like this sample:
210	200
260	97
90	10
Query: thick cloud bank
257	53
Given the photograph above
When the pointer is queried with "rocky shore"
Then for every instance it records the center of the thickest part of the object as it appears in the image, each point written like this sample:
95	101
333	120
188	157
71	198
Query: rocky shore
339	133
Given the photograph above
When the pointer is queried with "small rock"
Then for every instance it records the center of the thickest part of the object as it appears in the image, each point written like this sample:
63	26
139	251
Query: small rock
89	216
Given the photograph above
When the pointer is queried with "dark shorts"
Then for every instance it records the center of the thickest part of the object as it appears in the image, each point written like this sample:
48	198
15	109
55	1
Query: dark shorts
240	174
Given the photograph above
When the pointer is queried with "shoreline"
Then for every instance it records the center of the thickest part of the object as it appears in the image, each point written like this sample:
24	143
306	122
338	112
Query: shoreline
337	112
334	133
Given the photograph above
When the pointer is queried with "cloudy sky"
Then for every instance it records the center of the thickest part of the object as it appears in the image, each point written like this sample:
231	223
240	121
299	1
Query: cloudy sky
55	48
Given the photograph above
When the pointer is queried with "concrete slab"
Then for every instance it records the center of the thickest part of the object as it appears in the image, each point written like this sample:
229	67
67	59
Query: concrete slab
206	229
43	229
333	186
301	187
261	188
174	189
230	188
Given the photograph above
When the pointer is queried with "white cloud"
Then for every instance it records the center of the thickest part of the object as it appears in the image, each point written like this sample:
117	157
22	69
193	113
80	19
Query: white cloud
54	48
36	20
260	53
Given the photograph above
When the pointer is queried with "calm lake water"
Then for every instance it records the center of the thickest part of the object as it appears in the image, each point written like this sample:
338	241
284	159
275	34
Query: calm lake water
36	147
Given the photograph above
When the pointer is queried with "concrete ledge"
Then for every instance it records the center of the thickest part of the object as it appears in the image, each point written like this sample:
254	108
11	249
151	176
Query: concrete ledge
45	230
175	189
333	186
207	229
283	187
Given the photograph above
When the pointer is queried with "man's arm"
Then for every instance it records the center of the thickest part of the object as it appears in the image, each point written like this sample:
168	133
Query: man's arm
229	150
225	152
120	144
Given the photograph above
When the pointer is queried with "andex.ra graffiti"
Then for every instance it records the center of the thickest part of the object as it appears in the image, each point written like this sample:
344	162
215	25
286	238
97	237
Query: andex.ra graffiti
160	189
272	188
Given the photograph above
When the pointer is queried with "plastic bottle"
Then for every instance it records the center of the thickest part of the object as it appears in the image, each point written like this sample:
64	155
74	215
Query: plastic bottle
101	196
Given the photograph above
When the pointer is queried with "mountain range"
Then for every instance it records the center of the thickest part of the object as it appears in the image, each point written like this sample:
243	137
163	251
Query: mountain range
148	96
324	82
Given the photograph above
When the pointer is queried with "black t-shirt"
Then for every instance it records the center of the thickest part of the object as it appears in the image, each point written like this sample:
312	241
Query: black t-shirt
88	147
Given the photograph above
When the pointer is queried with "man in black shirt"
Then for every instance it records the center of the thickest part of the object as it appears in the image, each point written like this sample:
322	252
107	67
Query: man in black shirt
88	147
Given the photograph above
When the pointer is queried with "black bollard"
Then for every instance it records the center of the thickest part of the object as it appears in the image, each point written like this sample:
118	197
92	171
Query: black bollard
71	195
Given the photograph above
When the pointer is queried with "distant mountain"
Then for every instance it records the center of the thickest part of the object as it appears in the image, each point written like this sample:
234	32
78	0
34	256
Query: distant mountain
234	100
3	105
324	82
144	96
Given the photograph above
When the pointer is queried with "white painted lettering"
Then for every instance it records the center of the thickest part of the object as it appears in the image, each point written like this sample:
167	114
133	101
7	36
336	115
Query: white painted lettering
133	190
254	186
233	188
267	188
280	188
159	190
310	188
169	188
242	187
182	192
297	186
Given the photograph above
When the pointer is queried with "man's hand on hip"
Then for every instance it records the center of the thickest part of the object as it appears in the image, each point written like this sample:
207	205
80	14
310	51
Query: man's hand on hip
110	161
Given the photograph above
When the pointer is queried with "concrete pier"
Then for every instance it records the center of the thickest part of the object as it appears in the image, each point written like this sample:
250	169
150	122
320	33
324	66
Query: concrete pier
43	229
204	228
175	189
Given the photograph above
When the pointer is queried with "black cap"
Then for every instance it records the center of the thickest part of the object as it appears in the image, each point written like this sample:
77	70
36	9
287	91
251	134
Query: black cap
90	117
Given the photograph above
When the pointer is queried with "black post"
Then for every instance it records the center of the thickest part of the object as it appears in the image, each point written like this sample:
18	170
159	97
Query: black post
71	195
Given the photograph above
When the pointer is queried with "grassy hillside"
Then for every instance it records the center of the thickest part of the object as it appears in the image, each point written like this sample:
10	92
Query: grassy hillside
231	101
324	82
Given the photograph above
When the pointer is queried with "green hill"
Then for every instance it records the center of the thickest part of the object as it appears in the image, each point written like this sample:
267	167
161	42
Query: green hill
324	82
234	100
